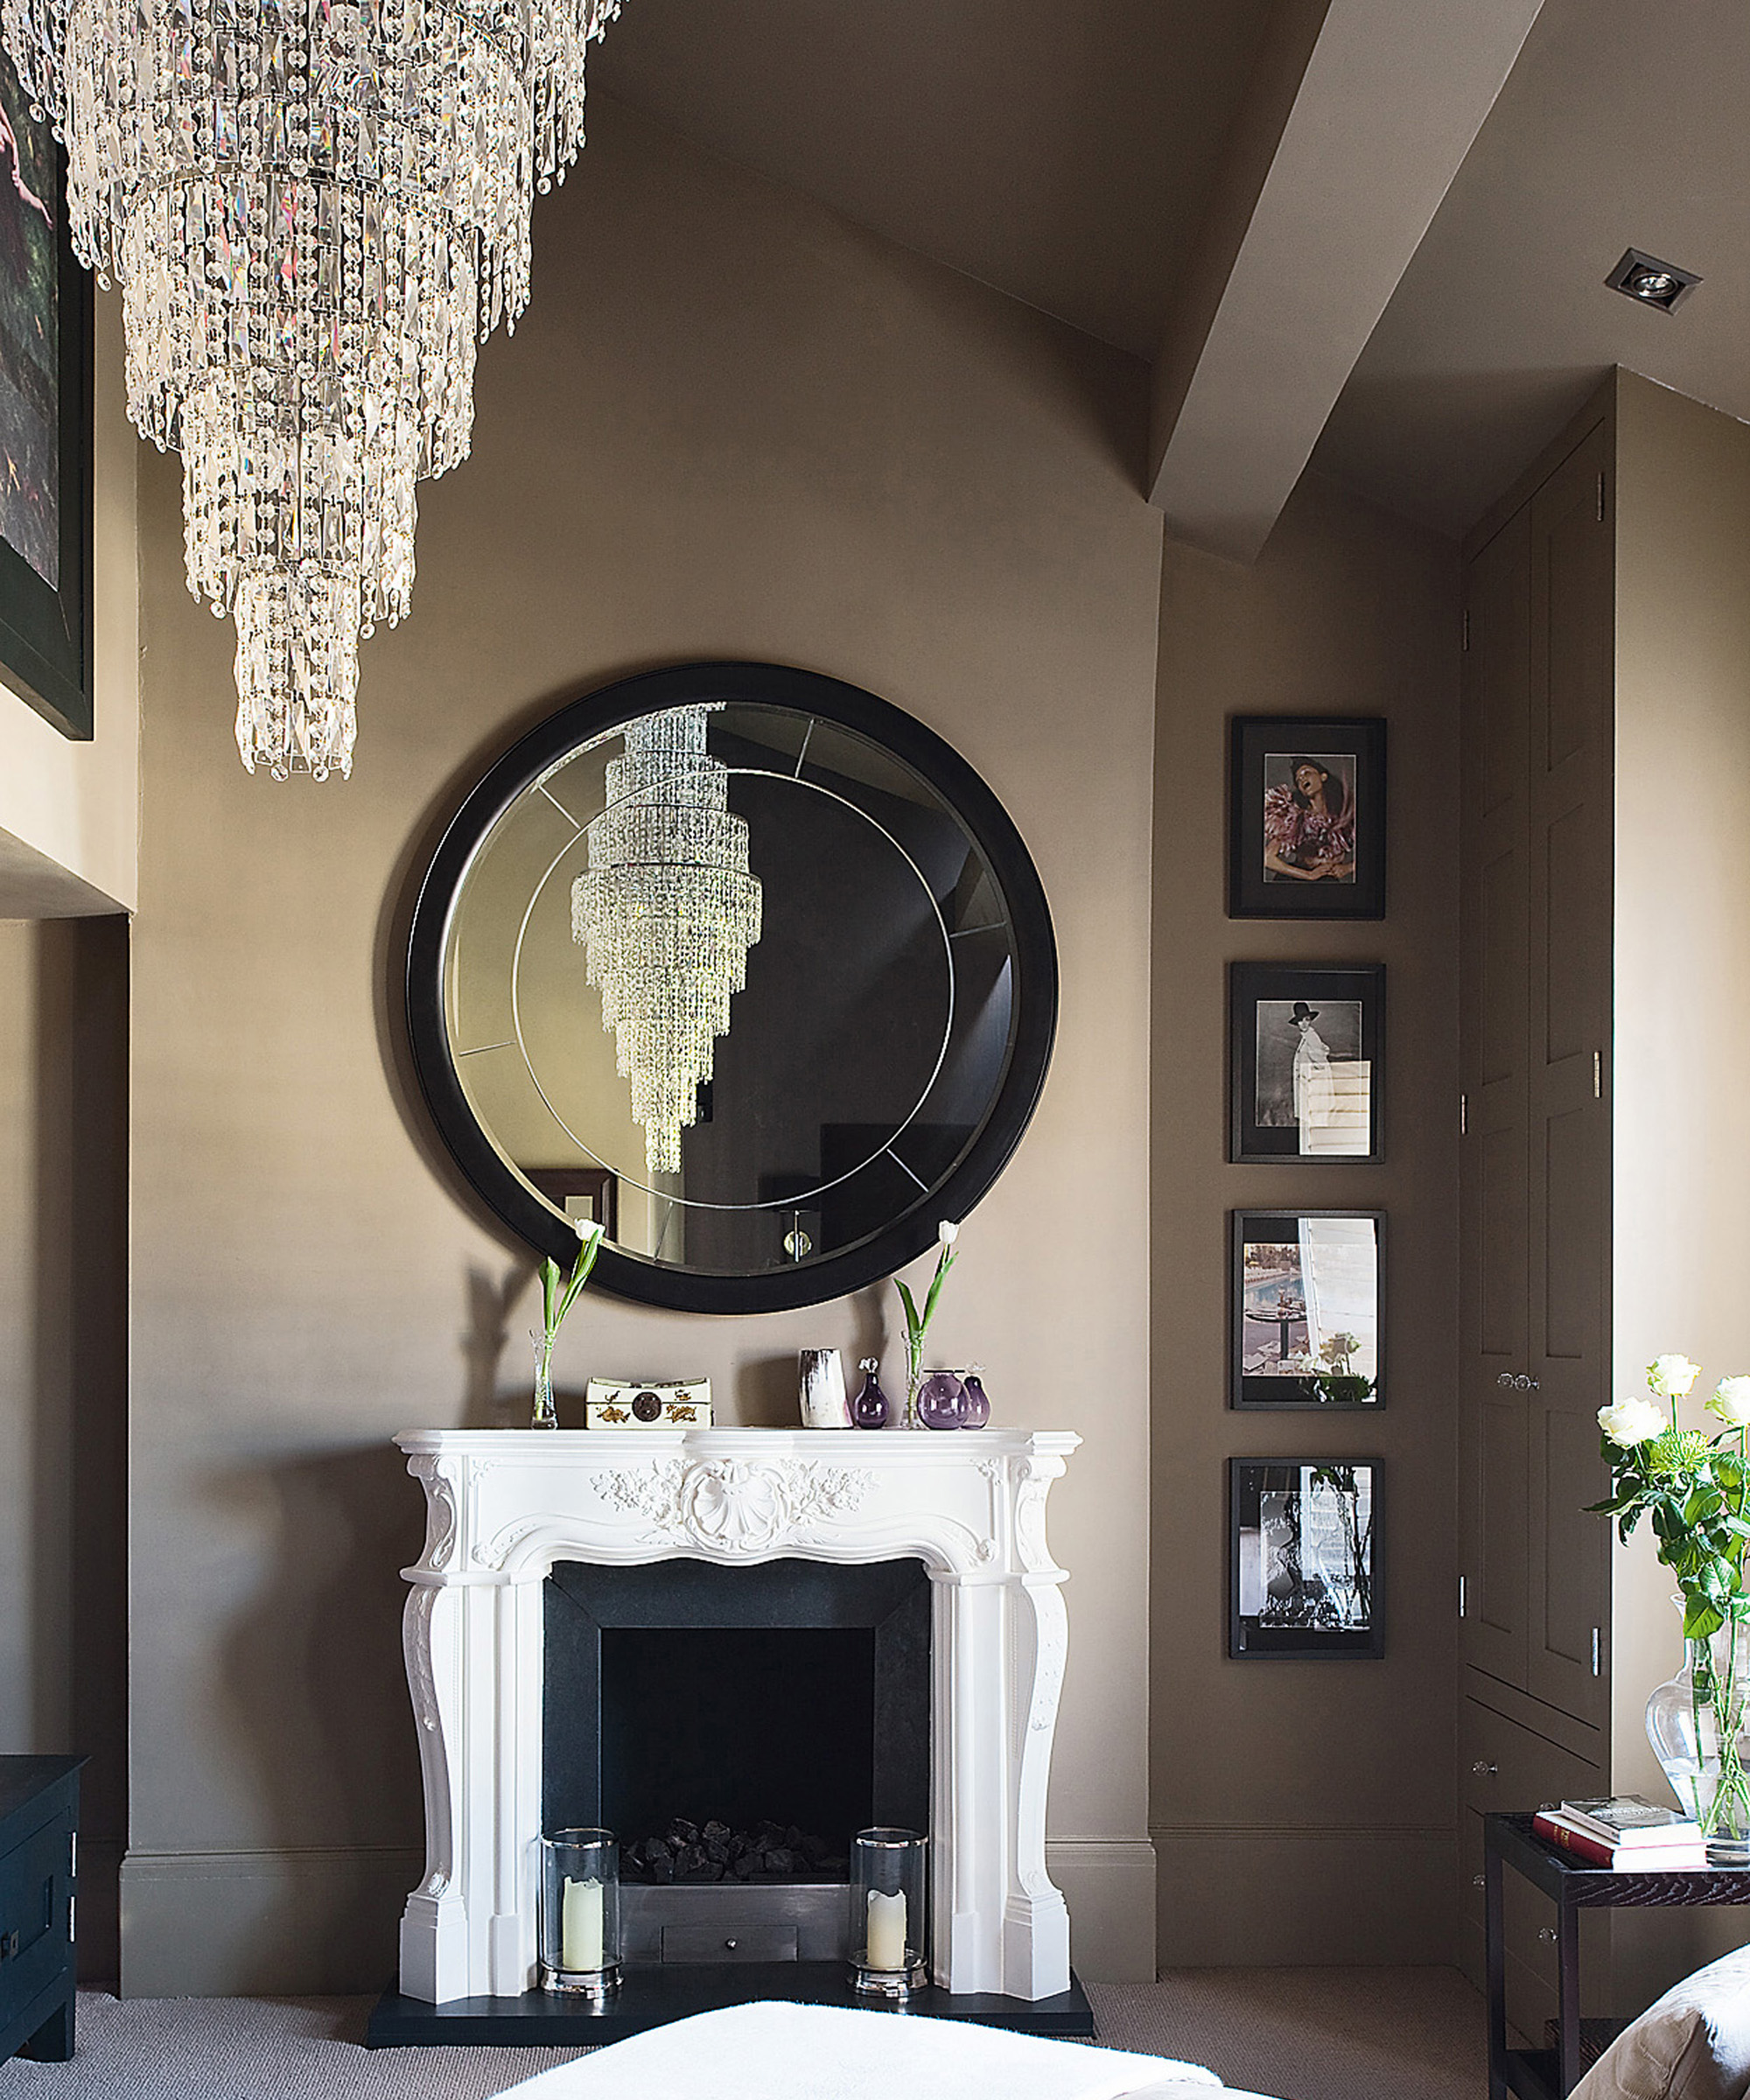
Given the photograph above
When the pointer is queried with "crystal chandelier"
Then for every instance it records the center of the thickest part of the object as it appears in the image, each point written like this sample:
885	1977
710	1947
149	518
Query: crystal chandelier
312	207
666	913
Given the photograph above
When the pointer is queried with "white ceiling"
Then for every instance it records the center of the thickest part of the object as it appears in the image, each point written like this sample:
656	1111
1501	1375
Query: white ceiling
1059	149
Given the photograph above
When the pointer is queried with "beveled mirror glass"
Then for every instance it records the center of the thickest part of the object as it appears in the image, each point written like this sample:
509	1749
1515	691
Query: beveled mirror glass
882	1056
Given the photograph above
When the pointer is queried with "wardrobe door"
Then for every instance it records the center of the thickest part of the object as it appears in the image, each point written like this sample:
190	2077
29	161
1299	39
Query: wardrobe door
1572	657
1494	1391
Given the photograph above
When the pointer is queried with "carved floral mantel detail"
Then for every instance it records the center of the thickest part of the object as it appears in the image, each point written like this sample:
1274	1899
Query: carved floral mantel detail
733	1505
503	1505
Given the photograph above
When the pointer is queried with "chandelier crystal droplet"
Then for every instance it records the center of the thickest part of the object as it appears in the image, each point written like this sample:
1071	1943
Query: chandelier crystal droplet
666	912
314	209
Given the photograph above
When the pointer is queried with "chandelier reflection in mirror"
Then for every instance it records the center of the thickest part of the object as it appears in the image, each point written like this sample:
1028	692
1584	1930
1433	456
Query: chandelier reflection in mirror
311	207
666	912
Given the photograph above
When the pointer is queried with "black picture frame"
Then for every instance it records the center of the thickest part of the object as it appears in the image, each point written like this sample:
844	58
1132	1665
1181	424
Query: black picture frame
911	1231
45	629
1362	1385
1350	750
1341	1112
1312	1626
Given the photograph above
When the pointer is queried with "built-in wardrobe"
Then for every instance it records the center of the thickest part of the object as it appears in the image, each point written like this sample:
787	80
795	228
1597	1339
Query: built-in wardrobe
1604	937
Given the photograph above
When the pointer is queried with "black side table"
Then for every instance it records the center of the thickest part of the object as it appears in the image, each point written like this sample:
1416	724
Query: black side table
39	1859
1572	1887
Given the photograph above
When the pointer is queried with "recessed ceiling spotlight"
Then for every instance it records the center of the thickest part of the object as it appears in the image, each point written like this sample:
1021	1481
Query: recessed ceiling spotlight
1651	282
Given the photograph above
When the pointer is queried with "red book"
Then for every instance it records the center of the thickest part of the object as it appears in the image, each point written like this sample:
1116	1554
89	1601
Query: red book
1670	1858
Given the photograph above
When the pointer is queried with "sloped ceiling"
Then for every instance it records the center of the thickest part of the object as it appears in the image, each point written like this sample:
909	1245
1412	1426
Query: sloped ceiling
1428	323
1623	125
1061	150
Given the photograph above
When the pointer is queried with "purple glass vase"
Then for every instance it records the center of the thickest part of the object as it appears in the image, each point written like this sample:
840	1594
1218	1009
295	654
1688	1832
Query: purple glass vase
941	1402
868	1409
976	1412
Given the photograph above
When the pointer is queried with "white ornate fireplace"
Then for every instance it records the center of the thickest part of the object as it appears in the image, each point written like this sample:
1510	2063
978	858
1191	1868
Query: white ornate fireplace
504	1505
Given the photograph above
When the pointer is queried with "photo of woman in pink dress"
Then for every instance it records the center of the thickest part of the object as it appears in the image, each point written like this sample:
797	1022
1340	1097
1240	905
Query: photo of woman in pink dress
1309	819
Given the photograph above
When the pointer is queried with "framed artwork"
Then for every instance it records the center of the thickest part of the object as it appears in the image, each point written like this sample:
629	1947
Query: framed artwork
580	1192
44	427
1304	1047
1303	1559
1307	818
1305	1308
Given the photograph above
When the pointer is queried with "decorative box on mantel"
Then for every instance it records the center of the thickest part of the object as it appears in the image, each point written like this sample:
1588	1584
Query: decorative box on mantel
504	1506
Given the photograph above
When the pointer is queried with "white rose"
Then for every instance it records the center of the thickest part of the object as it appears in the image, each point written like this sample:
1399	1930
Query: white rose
1672	1376
1631	1422
947	1233
1731	1401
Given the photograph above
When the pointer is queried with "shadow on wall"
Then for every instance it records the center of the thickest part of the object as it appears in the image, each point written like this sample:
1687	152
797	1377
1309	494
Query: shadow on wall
766	1391
492	1397
313	1678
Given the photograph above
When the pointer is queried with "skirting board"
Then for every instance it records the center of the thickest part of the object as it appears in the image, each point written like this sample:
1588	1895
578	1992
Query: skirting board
1109	1884
292	1924
324	1922
1258	1897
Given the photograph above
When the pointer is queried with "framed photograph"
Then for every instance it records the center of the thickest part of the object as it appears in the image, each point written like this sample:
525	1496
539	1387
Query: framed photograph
1303	1559
1306	1298
580	1192
44	427
1307	818
1304	1048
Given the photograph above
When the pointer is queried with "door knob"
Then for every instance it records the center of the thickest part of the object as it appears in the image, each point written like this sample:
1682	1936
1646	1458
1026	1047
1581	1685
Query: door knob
1547	1932
1478	1880
1483	1769
1506	1378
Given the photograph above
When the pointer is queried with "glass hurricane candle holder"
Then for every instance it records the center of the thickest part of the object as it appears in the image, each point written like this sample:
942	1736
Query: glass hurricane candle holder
579	1913
889	1916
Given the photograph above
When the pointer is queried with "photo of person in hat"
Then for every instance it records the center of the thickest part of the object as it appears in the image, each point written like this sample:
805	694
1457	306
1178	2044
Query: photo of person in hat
1297	1046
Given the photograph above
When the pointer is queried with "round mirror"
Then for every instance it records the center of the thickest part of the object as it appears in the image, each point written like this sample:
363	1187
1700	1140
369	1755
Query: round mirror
744	962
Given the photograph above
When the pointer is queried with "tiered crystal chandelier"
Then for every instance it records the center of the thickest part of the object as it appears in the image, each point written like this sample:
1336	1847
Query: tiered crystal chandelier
666	913
313	208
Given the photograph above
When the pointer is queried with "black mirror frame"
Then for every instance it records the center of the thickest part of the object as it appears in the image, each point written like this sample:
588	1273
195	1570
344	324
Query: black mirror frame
985	819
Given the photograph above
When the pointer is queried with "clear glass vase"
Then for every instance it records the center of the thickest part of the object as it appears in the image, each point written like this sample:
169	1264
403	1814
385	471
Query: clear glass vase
1698	1724
545	1415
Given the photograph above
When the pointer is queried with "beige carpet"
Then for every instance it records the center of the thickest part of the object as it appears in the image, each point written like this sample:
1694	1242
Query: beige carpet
1305	2033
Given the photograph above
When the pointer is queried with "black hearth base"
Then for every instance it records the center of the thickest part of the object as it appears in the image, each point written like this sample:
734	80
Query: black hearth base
651	1996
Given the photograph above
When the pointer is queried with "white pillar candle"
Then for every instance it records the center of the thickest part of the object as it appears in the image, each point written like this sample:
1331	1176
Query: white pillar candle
580	1926
886	1930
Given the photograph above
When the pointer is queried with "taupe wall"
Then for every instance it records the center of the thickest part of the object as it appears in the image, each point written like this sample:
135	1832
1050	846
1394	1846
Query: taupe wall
731	424
63	1373
1680	1109
1304	1811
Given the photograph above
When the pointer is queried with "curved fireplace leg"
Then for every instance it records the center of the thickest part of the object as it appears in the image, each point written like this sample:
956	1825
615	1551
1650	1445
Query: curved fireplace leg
434	1924
991	1774
1035	1918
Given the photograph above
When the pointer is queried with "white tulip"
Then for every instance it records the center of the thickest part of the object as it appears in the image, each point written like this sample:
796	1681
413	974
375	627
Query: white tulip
1672	1376
1631	1422
947	1233
1731	1401
588	1229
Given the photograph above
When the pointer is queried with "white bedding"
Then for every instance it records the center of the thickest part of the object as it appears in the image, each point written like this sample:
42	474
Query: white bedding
775	2051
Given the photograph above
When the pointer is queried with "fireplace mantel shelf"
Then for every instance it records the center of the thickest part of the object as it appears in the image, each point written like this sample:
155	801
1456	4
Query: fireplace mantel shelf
502	1506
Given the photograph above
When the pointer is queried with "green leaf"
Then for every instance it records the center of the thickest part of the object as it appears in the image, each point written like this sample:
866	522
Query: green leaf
944	1263
1700	1619
913	1327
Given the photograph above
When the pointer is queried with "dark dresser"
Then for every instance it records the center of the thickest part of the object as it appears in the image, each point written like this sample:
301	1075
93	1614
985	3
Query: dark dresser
38	1860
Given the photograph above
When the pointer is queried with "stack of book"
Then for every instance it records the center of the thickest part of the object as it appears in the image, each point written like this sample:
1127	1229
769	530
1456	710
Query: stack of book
1626	1832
